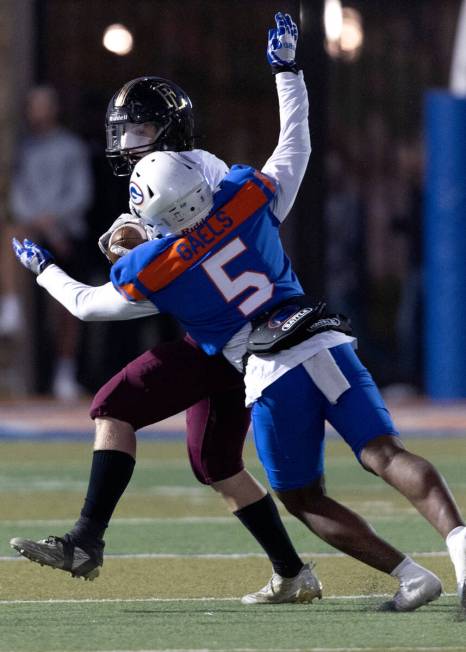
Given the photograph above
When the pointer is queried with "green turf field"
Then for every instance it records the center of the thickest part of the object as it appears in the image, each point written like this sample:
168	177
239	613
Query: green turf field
177	563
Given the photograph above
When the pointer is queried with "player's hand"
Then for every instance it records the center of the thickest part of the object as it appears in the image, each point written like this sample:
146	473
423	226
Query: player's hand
281	48
32	256
125	218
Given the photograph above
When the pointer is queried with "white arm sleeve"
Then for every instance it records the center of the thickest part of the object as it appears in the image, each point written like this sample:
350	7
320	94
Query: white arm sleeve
88	303
289	160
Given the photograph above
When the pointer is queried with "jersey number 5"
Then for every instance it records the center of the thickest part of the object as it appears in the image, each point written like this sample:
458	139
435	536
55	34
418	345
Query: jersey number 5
232	287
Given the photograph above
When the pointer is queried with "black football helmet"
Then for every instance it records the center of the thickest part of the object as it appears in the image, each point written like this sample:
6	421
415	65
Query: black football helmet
147	114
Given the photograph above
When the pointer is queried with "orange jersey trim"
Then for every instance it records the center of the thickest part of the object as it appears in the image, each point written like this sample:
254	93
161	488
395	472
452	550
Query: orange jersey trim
169	265
130	290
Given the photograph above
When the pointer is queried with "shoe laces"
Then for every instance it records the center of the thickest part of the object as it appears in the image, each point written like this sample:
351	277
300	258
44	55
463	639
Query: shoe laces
51	539
270	586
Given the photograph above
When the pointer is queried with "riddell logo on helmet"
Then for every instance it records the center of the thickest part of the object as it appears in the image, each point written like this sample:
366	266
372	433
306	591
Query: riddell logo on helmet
118	117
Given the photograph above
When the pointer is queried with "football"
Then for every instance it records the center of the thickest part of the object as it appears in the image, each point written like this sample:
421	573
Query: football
127	236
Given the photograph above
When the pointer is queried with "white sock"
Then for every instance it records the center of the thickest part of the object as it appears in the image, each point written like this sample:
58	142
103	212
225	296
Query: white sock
407	569
453	533
456	544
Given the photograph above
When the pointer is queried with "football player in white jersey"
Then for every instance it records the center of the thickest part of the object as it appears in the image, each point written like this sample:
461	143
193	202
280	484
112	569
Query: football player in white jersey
154	114
335	380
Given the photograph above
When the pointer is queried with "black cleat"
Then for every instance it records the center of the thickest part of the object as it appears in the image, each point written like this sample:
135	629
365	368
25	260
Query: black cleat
62	553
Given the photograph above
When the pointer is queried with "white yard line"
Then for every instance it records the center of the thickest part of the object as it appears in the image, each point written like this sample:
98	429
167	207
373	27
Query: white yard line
126	521
203	599
410	648
149	520
233	555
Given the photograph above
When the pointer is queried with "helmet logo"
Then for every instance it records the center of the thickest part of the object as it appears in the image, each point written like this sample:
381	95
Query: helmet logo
117	116
135	193
168	95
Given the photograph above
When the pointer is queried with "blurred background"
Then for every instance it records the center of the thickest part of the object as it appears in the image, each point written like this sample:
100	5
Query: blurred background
357	234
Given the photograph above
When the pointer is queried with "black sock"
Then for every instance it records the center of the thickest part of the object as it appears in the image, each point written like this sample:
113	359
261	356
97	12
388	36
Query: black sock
111	472
263	521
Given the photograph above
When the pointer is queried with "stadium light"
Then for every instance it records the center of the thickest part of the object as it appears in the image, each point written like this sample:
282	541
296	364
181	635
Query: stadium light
118	39
343	31
458	63
333	20
352	33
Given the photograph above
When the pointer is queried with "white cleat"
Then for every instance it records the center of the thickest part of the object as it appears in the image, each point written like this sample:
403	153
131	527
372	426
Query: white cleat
302	588
415	592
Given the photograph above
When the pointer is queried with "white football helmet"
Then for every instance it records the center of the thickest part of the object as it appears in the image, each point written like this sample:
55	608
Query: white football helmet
169	192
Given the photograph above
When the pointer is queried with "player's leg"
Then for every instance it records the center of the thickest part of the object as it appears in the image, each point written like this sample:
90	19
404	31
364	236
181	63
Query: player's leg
80	551
361	417
416	478
340	526
172	376
154	386
288	426
420	482
217	428
294	464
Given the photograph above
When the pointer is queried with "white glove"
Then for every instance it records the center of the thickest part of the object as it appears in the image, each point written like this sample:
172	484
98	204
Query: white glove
31	255
125	218
281	48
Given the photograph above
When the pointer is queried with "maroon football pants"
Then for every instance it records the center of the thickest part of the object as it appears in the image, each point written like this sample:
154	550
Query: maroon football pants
177	376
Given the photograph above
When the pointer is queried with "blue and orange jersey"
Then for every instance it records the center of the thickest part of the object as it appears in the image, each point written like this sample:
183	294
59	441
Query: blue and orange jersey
224	272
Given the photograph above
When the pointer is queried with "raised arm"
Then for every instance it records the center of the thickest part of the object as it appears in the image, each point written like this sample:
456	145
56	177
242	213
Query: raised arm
289	160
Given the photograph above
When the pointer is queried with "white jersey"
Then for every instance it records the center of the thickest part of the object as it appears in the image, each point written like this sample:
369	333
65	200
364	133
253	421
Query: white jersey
104	303
286	166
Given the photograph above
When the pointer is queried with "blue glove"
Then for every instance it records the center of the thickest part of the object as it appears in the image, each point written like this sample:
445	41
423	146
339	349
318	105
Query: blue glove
281	48
32	256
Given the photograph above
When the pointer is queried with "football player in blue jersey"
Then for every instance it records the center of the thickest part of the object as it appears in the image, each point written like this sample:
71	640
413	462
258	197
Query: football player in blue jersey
149	114
219	267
